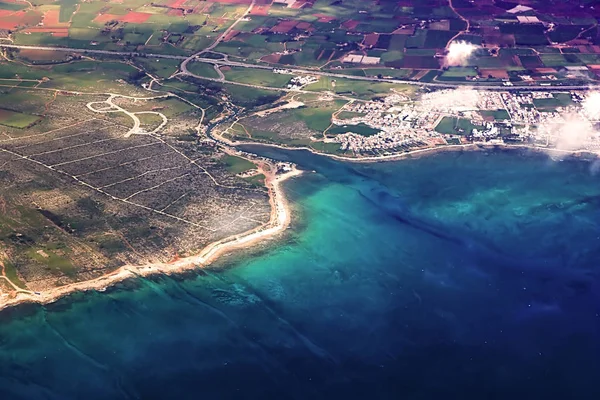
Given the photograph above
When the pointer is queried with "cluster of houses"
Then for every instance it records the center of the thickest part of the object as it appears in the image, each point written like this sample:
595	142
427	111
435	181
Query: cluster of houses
397	123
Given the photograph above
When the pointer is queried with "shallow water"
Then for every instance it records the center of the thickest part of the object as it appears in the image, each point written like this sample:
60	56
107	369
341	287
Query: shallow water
470	275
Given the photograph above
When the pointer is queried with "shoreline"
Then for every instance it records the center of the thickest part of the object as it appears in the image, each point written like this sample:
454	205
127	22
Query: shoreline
427	150
279	220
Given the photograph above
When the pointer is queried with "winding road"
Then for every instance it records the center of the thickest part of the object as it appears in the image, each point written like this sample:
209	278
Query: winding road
183	67
136	130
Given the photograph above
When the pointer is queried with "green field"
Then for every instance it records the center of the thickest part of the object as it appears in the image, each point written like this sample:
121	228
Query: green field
251	97
361	89
53	261
67	7
360	129
459	72
164	68
11	273
558	100
237	165
455	126
12	6
256	180
257	77
203	69
498	115
18	120
560	60
318	118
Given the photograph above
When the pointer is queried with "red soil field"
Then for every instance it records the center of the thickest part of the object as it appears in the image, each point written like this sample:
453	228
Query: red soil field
409	30
499	40
230	35
423	3
578	42
303	4
260	10
8	25
4	13
19	18
202	8
531	62
177	3
103	18
232	1
175	13
42	54
420	62
350	24
324	18
135	17
371	39
494	73
272	58
284	26
545	70
304	25
51	18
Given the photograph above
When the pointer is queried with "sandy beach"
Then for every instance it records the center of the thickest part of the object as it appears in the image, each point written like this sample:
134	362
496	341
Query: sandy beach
278	222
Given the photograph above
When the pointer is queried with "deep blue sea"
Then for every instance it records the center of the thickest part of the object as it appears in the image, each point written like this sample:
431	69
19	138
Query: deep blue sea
464	275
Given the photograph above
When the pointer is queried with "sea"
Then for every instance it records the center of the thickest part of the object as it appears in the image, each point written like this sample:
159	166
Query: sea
456	275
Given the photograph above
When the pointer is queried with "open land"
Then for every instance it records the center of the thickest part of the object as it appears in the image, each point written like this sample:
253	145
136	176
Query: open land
94	181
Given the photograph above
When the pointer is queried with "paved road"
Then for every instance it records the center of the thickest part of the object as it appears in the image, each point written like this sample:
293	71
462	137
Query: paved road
307	71
185	62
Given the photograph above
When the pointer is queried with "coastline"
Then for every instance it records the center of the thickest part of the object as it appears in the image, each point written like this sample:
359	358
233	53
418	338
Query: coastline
424	151
279	220
429	150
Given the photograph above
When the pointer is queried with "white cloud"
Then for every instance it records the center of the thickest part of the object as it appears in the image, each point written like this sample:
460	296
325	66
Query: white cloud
591	105
459	53
570	131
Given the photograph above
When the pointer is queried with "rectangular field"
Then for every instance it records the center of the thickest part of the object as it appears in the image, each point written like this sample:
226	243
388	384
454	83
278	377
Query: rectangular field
18	120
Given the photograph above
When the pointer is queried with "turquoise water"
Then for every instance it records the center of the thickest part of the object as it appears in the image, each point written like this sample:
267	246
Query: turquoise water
457	275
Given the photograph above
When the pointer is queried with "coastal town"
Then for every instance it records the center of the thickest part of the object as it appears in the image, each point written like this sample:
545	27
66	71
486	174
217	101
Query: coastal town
564	120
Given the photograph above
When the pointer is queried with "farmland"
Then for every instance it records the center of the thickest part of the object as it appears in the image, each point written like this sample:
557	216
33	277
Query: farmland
542	42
